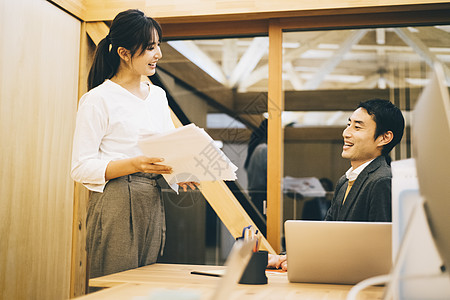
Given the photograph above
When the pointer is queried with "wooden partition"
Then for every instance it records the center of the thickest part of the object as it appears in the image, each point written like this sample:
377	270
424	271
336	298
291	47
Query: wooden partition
38	95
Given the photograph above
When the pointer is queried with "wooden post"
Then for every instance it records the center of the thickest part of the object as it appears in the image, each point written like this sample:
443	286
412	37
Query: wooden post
78	276
275	137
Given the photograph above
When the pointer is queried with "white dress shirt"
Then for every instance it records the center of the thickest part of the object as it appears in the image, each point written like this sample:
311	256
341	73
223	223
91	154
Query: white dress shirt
109	122
353	174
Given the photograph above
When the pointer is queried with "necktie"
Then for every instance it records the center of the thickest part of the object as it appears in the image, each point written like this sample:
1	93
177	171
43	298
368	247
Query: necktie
349	187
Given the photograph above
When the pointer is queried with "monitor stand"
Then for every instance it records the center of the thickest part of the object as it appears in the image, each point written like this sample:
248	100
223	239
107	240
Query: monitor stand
418	272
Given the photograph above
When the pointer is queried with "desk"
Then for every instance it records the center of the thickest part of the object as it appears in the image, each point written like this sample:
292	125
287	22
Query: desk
141	281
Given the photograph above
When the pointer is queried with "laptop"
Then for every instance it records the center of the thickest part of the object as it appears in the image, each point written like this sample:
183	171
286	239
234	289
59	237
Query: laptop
337	252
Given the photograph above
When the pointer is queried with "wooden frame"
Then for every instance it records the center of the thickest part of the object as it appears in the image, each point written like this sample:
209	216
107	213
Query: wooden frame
275	107
78	282
258	23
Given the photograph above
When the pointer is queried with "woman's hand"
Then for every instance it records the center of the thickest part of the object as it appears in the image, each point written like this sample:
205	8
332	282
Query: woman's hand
191	184
121	167
277	261
150	165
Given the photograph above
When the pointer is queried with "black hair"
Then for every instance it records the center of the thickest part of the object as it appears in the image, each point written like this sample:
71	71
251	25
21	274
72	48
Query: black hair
258	136
327	184
130	29
387	117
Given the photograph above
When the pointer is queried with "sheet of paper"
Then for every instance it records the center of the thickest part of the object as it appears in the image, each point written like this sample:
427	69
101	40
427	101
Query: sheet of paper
307	187
192	154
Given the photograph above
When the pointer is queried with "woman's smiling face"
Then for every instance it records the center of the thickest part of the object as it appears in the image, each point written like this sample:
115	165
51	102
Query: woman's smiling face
145	63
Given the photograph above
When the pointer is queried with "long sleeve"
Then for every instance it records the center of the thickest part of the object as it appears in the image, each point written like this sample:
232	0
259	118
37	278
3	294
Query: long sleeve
87	167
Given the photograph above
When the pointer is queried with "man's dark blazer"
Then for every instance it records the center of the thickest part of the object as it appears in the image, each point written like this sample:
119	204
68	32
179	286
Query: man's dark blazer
369	198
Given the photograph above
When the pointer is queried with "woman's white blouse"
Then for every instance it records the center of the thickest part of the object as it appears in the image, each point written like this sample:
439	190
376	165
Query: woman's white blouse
109	122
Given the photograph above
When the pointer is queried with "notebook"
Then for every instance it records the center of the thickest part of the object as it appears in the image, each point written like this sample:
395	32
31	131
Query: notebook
337	252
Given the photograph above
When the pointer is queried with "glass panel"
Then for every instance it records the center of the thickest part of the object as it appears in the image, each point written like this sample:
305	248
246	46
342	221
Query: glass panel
221	85
205	78
325	76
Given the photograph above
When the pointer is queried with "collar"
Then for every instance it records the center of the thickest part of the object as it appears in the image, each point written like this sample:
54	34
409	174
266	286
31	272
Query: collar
353	174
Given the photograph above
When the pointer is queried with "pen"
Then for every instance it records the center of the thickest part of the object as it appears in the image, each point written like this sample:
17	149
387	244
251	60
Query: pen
249	234
258	241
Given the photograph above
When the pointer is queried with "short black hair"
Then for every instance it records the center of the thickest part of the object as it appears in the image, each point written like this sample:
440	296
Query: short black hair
387	117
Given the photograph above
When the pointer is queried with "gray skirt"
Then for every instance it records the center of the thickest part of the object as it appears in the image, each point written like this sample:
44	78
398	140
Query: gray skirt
125	225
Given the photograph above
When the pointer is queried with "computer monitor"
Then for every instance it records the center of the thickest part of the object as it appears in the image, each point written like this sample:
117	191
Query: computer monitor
431	150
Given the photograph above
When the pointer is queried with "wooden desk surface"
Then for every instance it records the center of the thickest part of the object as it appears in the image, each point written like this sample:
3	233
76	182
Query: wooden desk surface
158	277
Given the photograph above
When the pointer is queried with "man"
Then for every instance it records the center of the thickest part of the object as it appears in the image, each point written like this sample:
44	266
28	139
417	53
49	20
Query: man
364	192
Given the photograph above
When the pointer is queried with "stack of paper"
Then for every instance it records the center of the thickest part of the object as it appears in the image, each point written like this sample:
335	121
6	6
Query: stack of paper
191	153
307	187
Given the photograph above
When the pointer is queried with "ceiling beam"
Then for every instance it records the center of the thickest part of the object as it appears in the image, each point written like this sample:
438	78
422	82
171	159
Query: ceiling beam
258	47
180	68
321	37
318	100
213	29
291	75
76	8
245	18
388	17
178	11
97	31
380	36
229	56
216	96
262	72
417	45
369	82
254	77
436	33
196	55
333	61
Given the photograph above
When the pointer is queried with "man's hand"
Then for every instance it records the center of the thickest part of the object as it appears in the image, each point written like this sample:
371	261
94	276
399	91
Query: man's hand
277	261
191	184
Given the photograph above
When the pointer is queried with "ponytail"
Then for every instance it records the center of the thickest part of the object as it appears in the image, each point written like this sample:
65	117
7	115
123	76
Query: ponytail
105	63
130	29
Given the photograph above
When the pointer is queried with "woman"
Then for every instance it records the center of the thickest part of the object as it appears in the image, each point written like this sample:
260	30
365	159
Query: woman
125	221
256	166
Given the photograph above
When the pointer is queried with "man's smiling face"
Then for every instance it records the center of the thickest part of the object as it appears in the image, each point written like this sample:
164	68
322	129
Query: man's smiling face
360	144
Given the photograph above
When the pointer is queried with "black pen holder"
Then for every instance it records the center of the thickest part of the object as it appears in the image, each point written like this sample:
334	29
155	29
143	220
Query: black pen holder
255	272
